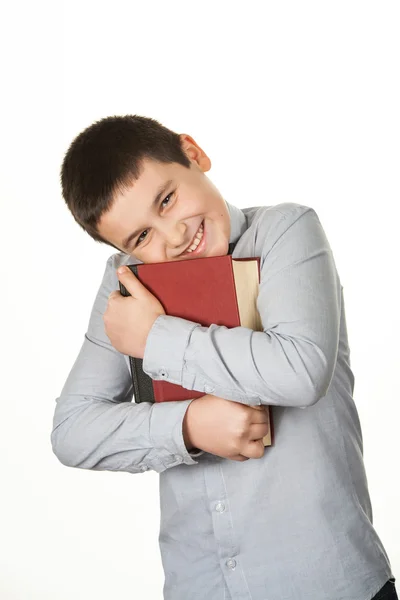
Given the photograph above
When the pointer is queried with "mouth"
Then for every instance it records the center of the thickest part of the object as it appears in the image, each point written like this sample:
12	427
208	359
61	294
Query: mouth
198	243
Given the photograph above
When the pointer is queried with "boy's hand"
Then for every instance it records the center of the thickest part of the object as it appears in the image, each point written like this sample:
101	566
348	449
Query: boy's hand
225	428
128	320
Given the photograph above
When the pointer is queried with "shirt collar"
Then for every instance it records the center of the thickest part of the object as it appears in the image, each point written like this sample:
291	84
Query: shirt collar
238	222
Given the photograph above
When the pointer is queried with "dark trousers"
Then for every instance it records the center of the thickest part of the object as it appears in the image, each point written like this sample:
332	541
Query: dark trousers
388	592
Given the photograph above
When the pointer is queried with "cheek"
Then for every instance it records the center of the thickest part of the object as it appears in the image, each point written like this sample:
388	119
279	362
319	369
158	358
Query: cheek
220	225
218	238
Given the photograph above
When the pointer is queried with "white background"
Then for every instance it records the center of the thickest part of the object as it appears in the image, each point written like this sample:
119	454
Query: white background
292	101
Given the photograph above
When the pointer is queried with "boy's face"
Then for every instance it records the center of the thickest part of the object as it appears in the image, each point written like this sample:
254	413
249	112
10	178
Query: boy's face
166	229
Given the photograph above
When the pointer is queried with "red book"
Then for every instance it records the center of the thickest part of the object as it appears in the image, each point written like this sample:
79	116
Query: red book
216	289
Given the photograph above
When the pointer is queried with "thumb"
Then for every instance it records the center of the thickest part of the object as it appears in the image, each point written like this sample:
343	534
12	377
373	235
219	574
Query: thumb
134	286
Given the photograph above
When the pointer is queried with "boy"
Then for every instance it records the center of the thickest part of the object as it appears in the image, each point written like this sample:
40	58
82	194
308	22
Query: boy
294	522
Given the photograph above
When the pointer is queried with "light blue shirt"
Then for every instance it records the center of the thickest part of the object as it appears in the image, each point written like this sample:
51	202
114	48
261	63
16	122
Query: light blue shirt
295	524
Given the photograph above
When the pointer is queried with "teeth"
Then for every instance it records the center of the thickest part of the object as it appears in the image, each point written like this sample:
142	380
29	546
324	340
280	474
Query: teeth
197	240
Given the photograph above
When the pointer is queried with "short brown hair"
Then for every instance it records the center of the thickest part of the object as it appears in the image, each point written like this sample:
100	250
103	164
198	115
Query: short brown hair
107	156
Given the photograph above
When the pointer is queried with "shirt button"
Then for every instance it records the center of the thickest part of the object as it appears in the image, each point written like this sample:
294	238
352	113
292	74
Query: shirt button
163	372
220	507
231	563
144	468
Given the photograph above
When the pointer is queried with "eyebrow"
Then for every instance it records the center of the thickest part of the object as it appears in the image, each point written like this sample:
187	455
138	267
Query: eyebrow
161	190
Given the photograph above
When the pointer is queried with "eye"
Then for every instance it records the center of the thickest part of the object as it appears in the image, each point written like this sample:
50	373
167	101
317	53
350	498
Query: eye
138	242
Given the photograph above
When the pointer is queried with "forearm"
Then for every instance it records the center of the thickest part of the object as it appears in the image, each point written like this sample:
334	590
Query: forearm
291	362
95	426
273	368
102	435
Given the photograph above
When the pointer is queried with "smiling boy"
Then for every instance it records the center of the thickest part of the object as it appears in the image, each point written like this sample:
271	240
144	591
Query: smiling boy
291	521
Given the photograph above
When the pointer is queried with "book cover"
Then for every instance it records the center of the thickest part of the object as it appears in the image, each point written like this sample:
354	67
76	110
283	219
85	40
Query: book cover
217	289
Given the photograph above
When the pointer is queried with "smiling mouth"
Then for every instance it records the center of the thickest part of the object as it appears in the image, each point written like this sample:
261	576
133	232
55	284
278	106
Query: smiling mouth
196	248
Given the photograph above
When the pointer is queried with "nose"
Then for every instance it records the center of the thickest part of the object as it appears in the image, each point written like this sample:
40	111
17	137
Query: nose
174	233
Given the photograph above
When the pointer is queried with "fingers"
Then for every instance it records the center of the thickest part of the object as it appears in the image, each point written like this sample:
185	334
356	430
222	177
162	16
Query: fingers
259	416
253	449
258	431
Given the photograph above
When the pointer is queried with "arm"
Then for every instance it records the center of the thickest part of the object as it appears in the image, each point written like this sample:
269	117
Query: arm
96	426
291	362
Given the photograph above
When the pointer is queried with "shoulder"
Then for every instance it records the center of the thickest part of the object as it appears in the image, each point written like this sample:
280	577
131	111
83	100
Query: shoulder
267	224
285	212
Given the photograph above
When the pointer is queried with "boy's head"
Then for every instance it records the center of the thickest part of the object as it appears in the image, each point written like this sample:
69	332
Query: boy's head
130	174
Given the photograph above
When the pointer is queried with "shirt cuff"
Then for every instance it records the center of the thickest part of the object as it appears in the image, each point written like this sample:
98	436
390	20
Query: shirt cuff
166	422
166	343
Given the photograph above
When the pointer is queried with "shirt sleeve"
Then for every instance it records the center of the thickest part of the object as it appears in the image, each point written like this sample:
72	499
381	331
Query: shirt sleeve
95	424
291	362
